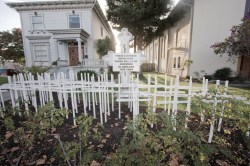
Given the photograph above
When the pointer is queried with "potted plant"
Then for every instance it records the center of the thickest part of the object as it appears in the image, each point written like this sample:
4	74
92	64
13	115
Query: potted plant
79	63
54	63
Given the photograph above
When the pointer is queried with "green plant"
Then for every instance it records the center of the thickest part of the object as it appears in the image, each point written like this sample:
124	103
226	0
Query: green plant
34	70
54	63
31	129
86	72
223	74
161	145
101	71
104	45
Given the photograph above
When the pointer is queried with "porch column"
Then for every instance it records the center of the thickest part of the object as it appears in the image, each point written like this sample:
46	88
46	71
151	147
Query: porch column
79	50
56	48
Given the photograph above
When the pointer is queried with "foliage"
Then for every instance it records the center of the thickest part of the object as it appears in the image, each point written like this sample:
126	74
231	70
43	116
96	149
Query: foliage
34	70
11	44
39	126
238	43
33	128
144	19
143	145
223	74
105	45
86	72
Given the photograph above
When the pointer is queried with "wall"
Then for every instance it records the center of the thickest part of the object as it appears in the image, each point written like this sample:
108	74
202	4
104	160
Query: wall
97	25
212	22
179	40
54	20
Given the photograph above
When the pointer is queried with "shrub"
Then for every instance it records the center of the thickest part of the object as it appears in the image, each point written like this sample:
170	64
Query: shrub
37	69
223	74
90	72
209	77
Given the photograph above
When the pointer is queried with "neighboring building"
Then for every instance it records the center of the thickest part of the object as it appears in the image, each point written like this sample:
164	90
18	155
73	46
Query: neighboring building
65	29
205	23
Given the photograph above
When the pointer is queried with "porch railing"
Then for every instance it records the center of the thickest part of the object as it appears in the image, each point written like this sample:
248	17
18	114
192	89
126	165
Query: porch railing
94	63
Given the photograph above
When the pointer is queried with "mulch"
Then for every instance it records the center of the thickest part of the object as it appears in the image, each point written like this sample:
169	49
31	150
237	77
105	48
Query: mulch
112	133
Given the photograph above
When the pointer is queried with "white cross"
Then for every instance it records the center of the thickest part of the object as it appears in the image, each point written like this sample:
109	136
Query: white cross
124	37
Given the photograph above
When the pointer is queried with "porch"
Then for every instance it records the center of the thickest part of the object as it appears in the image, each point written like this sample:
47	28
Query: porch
86	64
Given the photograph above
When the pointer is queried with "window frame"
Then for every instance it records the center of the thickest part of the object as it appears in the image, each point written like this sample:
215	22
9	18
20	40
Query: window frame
177	62
43	56
74	15
174	65
33	23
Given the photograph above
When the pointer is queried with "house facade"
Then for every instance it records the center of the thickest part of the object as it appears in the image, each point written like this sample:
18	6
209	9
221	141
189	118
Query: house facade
184	49
64	30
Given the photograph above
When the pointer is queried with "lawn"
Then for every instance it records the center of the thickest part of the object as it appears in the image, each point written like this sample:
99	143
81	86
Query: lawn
3	80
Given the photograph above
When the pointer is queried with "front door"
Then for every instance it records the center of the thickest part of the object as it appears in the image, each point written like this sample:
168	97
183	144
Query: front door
73	56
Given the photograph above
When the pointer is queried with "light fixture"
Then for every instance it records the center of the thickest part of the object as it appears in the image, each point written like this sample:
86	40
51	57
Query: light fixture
35	13
73	11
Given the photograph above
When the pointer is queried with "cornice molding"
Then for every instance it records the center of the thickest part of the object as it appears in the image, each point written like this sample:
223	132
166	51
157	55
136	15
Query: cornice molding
51	5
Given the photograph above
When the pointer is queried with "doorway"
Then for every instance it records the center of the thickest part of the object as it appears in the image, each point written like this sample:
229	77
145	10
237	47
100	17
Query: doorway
74	55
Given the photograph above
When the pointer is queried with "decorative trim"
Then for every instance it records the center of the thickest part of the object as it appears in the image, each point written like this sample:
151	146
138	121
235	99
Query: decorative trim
51	5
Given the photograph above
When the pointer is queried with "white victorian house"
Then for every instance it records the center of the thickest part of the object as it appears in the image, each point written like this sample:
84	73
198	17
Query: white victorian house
66	30
189	40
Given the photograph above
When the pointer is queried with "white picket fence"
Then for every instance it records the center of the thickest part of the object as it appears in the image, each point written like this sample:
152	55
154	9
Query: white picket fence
102	93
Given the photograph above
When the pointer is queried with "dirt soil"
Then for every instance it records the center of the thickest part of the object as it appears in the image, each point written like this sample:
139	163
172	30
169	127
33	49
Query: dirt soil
44	152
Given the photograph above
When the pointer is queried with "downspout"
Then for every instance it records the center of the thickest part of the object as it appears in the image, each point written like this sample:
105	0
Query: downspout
159	49
191	35
91	35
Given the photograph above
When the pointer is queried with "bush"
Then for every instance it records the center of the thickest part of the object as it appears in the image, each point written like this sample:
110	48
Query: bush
223	74
37	69
90	72
209	77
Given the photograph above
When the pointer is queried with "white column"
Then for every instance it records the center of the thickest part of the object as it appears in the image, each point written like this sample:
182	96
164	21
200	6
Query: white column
79	50
56	49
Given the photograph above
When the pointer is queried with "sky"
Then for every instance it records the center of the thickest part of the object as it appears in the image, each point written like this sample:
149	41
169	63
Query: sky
10	19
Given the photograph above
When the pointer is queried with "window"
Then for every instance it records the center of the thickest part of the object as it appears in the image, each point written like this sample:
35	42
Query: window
74	21
101	32
179	62
174	63
37	22
177	37
40	52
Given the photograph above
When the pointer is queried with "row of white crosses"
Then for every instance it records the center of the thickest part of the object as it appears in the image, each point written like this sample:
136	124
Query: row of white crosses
91	92
103	91
215	99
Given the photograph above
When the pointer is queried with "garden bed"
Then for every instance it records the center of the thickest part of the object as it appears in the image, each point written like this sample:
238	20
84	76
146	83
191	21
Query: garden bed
103	145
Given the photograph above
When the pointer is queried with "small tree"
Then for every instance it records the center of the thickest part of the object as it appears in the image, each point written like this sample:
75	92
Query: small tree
238	43
11	44
104	45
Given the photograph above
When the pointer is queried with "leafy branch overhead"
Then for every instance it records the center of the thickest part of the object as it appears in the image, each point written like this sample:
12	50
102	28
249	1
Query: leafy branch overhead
145	19
238	43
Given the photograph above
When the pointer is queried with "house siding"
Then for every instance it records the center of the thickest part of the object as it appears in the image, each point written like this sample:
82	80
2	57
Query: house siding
212	22
57	35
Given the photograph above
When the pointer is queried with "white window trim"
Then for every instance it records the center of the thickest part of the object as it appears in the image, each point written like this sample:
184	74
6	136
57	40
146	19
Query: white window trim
47	52
176	62
80	18
31	22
